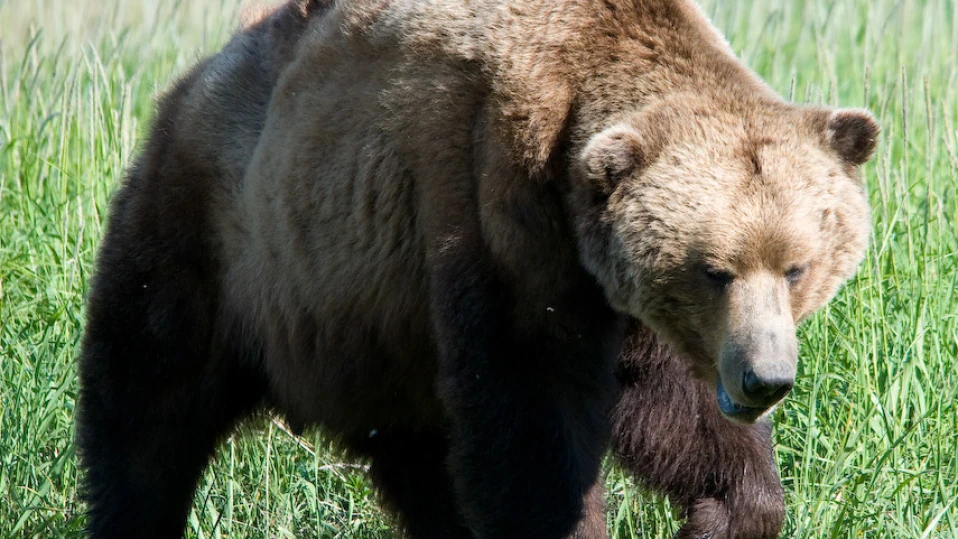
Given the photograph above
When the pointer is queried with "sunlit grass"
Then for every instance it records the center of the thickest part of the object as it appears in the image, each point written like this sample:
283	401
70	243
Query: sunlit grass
867	443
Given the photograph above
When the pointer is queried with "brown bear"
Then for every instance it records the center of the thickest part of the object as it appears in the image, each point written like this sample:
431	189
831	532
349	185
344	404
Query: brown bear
473	240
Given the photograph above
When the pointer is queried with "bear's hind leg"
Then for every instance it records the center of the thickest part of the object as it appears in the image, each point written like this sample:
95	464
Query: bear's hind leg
150	415
593	525
409	471
156	392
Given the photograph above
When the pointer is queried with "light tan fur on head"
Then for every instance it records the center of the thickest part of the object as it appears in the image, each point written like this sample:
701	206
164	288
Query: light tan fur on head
728	225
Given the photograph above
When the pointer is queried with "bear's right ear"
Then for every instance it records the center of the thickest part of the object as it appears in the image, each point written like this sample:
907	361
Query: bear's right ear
612	156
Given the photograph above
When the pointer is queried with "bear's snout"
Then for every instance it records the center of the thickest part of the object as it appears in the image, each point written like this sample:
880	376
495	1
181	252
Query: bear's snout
758	356
756	370
765	391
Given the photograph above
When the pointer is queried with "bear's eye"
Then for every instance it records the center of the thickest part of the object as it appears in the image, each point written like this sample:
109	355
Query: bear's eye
719	278
795	274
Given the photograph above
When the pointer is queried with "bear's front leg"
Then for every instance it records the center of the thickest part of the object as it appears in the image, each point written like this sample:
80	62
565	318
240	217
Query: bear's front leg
668	431
528	399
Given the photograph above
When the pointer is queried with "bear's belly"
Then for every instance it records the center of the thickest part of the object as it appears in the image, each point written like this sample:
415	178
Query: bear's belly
332	281
349	374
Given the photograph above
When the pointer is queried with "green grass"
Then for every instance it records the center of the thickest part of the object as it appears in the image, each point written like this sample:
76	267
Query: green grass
867	443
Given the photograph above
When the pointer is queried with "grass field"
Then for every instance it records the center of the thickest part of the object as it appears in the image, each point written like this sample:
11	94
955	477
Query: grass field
867	442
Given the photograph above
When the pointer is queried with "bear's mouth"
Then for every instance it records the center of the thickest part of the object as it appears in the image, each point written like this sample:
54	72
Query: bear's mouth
735	412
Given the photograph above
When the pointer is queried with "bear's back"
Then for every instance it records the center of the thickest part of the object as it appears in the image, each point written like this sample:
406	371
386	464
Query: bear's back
223	103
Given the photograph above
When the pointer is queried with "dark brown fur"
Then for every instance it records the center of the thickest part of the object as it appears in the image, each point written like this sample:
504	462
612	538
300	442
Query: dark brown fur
373	217
669	433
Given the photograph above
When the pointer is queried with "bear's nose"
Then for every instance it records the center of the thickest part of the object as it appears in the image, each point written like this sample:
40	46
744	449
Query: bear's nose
767	390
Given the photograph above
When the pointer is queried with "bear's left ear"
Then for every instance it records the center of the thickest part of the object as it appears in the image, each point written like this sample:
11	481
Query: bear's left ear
611	156
852	134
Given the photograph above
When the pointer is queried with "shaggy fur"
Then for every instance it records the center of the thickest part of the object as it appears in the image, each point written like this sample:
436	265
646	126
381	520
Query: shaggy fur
424	226
668	432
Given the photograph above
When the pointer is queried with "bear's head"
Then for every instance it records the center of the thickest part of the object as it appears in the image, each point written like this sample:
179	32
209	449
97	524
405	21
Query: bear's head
722	226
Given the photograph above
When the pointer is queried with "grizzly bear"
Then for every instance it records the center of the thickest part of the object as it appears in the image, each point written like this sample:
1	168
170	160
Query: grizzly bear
477	242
